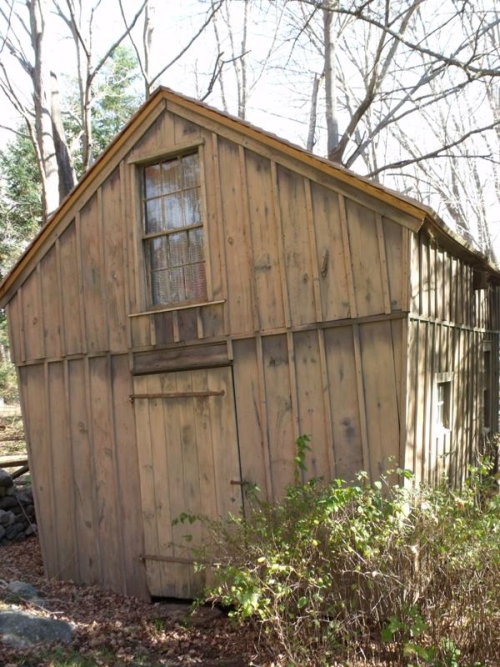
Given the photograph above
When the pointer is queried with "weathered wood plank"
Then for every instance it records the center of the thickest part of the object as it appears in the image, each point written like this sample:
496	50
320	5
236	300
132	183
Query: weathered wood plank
126	449
83	473
264	230
63	483
33	318
330	254
297	253
250	408
344	405
110	548
71	285
178	358
51	305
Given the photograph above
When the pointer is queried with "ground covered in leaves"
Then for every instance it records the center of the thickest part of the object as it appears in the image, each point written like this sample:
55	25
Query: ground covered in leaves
113	630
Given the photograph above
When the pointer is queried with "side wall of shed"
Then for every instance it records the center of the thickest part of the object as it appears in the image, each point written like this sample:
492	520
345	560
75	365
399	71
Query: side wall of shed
451	326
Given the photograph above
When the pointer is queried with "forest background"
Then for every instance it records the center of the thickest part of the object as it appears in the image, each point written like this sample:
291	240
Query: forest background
406	92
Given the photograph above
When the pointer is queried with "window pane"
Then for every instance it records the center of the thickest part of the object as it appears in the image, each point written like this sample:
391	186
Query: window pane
191	168
157	251
178	255
196	284
152	181
168	286
171	176
196	253
192	207
173	211
154	221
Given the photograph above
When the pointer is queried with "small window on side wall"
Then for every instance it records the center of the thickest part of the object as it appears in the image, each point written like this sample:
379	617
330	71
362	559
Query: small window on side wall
173	233
443	401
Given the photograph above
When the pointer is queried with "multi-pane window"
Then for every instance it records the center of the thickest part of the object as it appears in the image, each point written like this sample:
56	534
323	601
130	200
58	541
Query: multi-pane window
173	230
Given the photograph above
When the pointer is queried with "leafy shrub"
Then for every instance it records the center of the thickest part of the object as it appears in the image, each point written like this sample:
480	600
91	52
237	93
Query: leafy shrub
333	570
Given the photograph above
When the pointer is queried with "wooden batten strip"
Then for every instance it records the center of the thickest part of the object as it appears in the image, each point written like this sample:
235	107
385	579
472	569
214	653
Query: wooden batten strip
180	148
293	384
62	319
94	499
199	324
222	236
126	230
361	400
326	389
20	296
248	237
405	269
42	314
170	309
177	394
102	242
54	507
119	491
152	330
281	245
175	326
347	258
78	236
313	250
263	419
384	272
72	471
206	230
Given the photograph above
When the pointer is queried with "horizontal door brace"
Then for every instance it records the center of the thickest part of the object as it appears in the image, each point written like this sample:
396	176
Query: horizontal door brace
179	394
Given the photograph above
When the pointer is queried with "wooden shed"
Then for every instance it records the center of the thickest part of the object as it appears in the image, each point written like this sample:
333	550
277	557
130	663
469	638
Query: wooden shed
207	293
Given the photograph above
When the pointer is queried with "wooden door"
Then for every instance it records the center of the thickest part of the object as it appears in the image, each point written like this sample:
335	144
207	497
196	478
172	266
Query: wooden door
189	463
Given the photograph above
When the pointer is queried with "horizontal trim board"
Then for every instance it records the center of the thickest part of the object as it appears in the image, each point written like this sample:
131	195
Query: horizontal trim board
452	325
174	559
180	358
157	156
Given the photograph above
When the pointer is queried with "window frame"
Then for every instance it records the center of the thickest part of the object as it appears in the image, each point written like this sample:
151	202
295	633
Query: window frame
144	292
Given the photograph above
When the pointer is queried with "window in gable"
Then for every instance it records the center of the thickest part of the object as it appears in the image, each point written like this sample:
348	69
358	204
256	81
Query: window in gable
173	234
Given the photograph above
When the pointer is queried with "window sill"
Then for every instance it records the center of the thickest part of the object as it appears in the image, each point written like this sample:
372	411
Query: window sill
181	306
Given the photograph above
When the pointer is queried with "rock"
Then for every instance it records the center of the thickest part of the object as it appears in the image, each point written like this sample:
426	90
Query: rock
2	532
6	480
7	502
24	498
23	589
21	629
10	491
12	531
30	530
7	518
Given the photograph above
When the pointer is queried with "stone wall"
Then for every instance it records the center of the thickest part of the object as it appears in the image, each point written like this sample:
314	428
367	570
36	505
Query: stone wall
17	512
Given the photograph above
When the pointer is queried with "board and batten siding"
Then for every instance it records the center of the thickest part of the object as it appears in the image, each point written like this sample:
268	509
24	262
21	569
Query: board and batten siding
308	295
452	323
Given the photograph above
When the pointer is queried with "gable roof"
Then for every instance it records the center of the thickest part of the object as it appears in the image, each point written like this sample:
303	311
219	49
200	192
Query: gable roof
160	98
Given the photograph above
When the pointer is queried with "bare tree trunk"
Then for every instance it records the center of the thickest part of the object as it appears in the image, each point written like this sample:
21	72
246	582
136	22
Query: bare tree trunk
313	114
332	123
42	102
147	38
64	163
